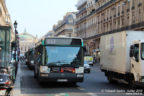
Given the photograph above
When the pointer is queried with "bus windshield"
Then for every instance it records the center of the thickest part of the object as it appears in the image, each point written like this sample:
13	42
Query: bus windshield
63	56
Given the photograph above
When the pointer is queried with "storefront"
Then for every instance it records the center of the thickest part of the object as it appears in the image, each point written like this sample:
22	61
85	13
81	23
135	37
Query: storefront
92	46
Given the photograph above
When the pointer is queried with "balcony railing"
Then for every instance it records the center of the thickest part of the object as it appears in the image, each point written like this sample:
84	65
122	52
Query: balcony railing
83	18
65	30
82	10
100	8
130	27
104	6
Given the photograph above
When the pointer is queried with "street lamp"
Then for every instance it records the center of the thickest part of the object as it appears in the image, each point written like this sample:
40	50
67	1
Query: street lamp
15	26
16	46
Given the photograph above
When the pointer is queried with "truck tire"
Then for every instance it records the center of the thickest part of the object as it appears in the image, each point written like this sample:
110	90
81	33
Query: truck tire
131	83
111	80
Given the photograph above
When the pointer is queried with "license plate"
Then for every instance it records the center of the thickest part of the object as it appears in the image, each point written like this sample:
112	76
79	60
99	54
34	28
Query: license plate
55	69
62	80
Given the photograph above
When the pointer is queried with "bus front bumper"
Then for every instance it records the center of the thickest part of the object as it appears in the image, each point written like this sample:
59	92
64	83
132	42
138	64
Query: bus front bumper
61	77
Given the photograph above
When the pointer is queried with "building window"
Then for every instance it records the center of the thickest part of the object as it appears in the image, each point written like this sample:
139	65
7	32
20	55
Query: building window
122	21
139	11
118	23
69	34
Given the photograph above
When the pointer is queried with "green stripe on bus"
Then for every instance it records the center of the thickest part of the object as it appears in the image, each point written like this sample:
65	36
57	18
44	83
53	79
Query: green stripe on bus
65	45
43	42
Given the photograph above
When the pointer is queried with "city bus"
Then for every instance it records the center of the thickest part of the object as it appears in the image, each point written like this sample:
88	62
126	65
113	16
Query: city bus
7	68
59	60
30	58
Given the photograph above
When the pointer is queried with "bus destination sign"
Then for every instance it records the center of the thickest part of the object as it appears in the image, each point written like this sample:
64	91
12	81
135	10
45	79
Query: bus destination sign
62	41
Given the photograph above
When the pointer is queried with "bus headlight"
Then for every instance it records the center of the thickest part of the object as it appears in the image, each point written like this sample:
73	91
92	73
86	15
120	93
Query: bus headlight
80	70
32	62
44	69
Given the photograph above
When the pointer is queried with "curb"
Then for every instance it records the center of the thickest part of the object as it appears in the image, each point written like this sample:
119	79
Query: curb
16	91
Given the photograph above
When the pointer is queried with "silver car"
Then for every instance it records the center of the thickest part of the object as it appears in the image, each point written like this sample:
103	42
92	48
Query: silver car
86	67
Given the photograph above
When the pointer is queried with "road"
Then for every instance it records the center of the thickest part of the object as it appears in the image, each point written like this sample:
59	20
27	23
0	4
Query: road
95	84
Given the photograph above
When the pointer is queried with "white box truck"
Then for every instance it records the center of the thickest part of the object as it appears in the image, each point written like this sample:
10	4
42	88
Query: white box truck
122	56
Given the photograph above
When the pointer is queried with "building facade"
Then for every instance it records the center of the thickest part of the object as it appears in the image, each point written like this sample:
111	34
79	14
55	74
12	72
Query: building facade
65	26
49	34
5	19
109	16
26	42
81	18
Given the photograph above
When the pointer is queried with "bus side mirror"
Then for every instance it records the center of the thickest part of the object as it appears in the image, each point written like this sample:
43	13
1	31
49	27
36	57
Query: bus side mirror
84	48
131	51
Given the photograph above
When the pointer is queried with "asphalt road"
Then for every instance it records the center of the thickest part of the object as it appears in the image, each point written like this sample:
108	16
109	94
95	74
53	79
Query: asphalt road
95	84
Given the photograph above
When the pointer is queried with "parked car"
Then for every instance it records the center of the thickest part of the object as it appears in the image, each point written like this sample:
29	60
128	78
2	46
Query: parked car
30	59
86	67
5	81
90	63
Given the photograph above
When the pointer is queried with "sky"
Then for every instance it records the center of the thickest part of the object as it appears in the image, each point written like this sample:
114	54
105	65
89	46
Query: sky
38	16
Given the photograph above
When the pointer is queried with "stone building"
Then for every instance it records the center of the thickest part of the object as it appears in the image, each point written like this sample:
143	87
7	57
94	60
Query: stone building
109	16
26	41
66	26
49	34
6	36
5	19
81	19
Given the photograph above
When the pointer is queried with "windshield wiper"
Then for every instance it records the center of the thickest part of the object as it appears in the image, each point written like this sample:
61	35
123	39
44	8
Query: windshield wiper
52	64
58	63
66	65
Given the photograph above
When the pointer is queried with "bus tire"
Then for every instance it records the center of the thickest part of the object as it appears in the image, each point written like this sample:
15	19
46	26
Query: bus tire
73	84
35	74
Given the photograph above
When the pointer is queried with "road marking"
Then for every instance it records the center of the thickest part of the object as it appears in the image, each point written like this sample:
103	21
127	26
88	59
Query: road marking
61	94
92	94
80	88
96	70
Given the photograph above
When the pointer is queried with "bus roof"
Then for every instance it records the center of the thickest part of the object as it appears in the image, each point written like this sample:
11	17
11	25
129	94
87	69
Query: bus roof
64	37
40	41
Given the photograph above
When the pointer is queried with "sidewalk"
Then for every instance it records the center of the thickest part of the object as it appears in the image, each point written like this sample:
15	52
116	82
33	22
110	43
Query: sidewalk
16	91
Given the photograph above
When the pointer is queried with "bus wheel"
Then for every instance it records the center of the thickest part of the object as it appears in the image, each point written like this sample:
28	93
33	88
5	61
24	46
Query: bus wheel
35	74
40	81
73	83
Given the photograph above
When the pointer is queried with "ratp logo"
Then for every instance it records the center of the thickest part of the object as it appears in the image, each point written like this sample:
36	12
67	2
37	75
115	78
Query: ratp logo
111	44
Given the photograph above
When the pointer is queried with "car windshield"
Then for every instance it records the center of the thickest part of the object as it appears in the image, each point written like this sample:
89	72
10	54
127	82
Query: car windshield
63	56
85	62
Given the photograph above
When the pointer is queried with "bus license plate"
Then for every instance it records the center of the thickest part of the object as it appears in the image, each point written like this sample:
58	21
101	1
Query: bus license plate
62	80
